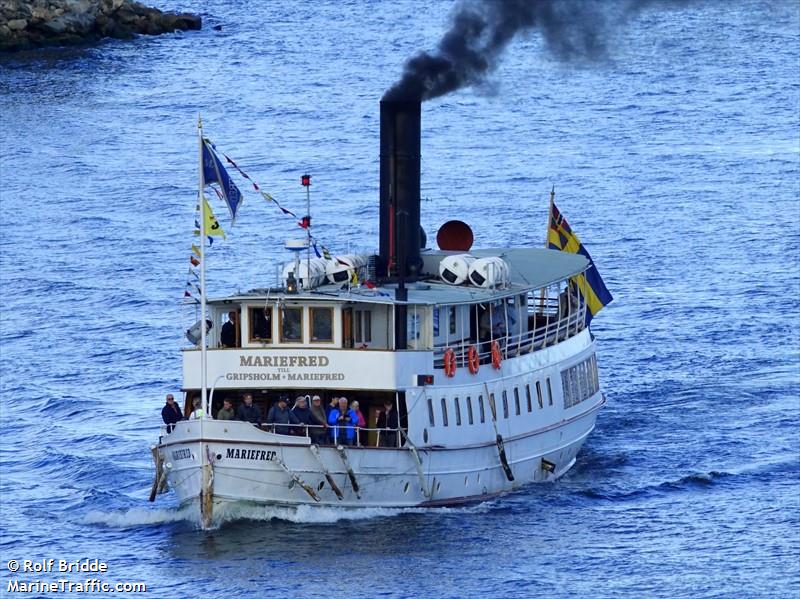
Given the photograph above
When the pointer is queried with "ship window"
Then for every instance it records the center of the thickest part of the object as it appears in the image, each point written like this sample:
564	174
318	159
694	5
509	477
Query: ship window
363	326
458	411
444	411
321	324
516	400
549	393
451	320
528	396
505	404
469	409
291	325
480	408
430	412
539	394
575	386
566	388
260	321
587	375
436	321
595	376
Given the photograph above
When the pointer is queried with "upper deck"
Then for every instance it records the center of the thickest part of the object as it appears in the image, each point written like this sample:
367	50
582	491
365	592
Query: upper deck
342	336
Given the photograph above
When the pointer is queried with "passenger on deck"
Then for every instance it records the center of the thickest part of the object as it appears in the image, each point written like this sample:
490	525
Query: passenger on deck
361	422
282	416
247	411
342	421
227	334
197	412
387	419
333	406
302	412
318	419
171	413
226	411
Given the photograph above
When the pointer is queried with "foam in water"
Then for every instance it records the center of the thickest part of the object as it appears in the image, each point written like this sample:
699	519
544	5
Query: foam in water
140	516
233	511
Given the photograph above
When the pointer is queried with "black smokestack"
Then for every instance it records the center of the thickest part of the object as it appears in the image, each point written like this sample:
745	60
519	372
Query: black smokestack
481	30
400	238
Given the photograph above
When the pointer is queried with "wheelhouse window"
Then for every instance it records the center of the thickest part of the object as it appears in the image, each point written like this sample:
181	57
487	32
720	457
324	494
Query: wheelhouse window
469	410
444	411
291	325
458	411
363	326
451	320
260	324
321	325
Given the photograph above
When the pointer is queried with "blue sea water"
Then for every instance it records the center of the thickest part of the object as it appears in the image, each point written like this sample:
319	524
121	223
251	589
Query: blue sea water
676	160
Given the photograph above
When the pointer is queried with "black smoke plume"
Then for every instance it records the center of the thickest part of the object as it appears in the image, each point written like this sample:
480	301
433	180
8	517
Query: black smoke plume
481	30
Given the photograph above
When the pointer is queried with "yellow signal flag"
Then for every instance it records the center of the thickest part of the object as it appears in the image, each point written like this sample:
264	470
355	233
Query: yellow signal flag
196	250
213	228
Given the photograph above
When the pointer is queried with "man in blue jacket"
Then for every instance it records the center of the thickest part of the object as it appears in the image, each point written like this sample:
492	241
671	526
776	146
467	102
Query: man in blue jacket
171	413
247	411
281	415
342	423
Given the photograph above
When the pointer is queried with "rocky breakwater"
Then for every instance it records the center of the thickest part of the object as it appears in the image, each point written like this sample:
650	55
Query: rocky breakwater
37	23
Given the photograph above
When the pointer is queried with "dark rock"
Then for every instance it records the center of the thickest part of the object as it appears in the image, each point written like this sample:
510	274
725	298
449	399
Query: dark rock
36	23
122	32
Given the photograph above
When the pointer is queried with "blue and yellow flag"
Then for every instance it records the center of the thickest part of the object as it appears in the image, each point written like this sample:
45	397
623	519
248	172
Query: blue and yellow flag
589	284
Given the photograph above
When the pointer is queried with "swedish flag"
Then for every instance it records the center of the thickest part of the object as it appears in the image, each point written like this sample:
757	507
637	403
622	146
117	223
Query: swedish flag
590	283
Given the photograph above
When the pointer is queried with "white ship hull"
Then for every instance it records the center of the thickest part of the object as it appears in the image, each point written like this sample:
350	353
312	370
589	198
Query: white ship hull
436	466
384	477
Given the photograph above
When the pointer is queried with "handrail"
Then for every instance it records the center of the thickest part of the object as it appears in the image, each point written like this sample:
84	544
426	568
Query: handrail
270	427
557	329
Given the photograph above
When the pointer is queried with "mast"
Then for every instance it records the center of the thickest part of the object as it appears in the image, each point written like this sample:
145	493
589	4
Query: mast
306	180
202	200
549	217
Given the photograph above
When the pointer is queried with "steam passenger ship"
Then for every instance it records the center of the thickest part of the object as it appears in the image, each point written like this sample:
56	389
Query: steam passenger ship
485	354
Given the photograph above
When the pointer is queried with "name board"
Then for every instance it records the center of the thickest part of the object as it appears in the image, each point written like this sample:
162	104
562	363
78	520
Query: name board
283	368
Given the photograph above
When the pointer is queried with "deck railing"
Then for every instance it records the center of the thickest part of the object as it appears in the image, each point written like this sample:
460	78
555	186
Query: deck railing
547	326
332	436
304	430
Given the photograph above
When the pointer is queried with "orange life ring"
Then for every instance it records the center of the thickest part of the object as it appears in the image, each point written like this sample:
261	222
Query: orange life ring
497	358
449	362
473	360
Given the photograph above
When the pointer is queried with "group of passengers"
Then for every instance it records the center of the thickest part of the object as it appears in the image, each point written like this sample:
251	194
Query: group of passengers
337	423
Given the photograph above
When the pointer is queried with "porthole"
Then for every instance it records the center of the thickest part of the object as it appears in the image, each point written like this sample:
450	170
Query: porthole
425	435
320	485
479	478
466	480
291	484
438	486
219	456
405	488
